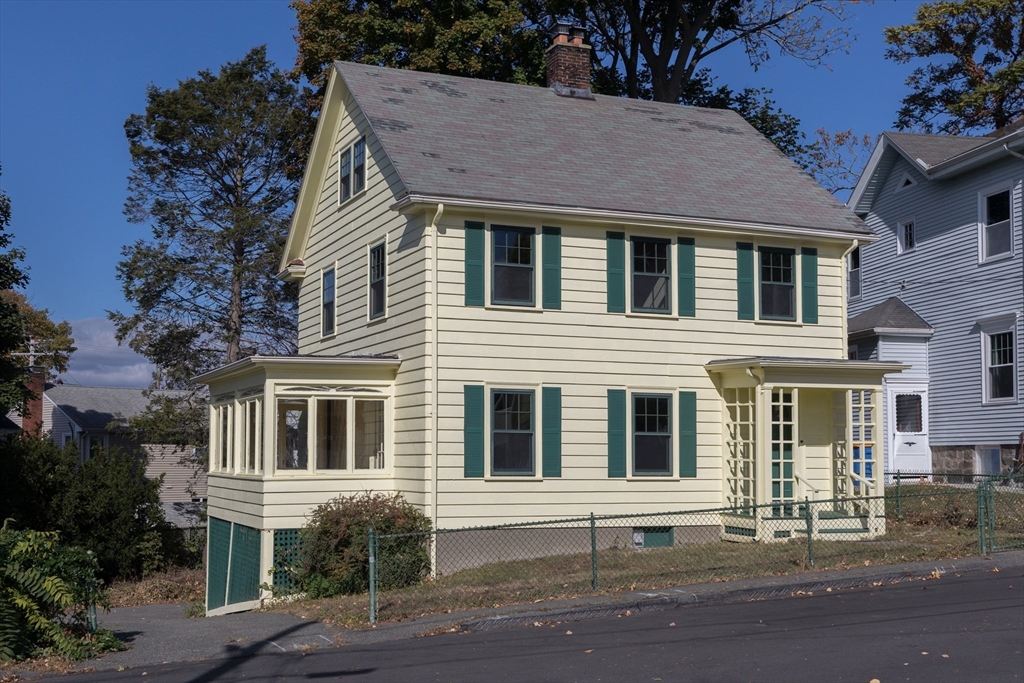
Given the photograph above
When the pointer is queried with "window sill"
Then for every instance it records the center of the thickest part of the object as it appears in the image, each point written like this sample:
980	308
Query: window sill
655	477
378	319
998	258
903	252
534	308
999	401
513	477
326	337
349	200
769	321
340	474
655	316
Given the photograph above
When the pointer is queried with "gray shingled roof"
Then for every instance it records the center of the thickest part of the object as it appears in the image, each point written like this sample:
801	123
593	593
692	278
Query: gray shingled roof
96	407
476	139
891	314
934	149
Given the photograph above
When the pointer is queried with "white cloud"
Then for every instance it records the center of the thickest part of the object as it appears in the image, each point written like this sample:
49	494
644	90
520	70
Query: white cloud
100	362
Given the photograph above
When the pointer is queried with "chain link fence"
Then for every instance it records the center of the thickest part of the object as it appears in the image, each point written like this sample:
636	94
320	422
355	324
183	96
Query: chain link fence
918	518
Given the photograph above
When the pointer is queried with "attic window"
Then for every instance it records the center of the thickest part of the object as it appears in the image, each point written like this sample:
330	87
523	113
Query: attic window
906	181
352	170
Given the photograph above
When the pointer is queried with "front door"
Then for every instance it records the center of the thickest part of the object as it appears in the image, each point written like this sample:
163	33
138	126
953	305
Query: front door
908	429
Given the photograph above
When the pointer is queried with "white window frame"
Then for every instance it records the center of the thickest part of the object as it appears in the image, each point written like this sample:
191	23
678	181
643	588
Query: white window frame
369	265
978	450
66	438
849	275
349	149
901	236
673	393
334	330
798	274
990	326
369	391
983	195
673	271
538	274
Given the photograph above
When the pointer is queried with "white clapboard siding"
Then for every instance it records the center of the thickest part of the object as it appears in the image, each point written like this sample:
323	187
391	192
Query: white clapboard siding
181	481
943	281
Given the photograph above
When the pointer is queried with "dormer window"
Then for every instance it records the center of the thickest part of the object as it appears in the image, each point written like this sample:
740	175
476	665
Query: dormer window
996	236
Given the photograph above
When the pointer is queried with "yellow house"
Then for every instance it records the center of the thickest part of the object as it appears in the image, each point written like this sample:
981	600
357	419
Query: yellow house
522	303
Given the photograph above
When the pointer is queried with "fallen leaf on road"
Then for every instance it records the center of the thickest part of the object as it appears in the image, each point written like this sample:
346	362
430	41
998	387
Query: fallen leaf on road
945	656
867	563
828	590
568	633
875	680
924	653
672	623
995	569
587	651
536	601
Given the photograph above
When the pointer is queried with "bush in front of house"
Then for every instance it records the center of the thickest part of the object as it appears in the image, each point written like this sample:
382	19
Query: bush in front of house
105	505
46	588
334	555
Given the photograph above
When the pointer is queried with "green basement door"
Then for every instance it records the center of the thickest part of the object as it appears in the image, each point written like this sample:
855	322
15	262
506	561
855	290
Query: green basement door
233	566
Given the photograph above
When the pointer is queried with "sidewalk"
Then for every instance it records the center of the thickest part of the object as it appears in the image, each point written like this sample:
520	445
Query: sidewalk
161	633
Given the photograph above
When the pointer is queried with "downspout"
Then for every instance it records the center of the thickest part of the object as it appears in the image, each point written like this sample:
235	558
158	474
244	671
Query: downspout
846	297
434	386
1006	147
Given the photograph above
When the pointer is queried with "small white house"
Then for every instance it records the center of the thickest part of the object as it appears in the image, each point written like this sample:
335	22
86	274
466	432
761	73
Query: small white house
522	303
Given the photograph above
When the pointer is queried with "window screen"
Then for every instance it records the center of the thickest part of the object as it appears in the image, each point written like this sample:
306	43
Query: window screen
855	273
345	175
359	166
997	236
378	285
652	434
327	303
651	275
778	291
513	266
512	432
908	413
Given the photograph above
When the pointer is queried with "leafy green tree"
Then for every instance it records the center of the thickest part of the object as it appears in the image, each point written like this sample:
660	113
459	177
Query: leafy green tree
489	39
12	321
974	81
215	170
52	340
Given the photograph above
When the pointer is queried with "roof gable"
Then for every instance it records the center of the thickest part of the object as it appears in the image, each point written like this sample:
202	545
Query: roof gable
451	137
892	314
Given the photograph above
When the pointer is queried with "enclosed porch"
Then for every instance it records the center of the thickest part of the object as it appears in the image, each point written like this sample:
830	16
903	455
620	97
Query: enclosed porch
798	430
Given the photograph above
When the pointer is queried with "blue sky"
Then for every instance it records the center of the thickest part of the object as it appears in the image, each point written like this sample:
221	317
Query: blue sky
72	72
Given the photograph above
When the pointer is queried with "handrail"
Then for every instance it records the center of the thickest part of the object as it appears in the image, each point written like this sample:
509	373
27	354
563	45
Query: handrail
806	483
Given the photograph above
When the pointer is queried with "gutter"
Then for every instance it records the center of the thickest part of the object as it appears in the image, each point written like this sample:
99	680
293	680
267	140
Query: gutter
239	365
631	218
978	155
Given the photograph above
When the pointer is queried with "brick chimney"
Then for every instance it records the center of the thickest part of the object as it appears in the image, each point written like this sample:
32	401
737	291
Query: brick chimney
569	63
32	420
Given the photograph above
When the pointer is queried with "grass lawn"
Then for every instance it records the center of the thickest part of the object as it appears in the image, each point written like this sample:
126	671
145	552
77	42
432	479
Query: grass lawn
937	522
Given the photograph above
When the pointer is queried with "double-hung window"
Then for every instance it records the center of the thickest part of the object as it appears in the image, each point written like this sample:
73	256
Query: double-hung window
512	278
378	280
652	275
999	366
778	284
854	288
652	434
512	432
996	237
352	170
327	303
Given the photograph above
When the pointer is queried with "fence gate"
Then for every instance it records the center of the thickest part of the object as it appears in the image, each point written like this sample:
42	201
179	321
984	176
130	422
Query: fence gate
1001	514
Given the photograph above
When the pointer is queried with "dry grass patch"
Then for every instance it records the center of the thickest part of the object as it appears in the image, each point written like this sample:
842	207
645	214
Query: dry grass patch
176	585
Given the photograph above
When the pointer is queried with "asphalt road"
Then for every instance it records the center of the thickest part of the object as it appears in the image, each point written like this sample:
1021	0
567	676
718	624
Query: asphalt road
966	628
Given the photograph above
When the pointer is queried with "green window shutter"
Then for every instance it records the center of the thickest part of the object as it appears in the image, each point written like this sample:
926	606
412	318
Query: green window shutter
551	295
473	430
219	533
474	263
687	434
687	277
745	280
551	446
809	284
616	272
616	432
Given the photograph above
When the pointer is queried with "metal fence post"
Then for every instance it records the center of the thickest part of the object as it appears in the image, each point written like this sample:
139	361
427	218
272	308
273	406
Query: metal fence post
990	507
982	519
373	576
593	552
810	531
899	495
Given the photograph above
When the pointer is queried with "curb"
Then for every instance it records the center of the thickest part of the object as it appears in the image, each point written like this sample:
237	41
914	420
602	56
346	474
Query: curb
674	598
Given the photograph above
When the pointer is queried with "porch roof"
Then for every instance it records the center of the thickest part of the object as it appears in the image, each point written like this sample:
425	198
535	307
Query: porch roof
785	363
302	360
823	373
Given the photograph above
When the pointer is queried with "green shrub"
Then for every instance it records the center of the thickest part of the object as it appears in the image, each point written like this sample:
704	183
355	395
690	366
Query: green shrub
105	505
334	555
45	591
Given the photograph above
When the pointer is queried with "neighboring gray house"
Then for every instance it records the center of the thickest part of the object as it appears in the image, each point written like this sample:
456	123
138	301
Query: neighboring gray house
88	416
943	290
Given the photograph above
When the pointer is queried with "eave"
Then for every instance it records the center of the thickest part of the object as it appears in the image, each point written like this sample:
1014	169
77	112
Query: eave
251	363
814	364
412	202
